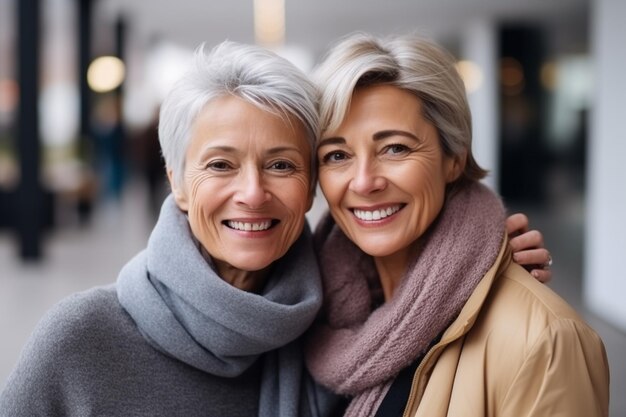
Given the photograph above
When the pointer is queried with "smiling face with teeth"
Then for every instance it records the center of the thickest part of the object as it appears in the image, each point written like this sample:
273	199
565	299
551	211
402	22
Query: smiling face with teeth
246	184
384	173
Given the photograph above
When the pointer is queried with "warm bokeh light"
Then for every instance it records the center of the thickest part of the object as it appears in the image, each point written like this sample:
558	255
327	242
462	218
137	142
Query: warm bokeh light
105	73
471	74
549	74
511	76
269	22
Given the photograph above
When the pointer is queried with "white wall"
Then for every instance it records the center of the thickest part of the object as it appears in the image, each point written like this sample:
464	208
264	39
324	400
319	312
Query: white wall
605	238
479	43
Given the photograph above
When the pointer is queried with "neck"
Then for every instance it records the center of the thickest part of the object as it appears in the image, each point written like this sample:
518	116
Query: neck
251	281
392	268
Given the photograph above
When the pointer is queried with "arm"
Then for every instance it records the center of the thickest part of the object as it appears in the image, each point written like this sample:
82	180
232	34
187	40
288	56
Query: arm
527	246
565	373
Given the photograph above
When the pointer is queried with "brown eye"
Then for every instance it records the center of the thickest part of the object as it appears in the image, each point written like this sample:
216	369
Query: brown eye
282	166
219	166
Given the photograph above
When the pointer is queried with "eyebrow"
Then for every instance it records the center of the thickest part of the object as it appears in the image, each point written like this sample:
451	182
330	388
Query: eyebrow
280	149
337	140
383	134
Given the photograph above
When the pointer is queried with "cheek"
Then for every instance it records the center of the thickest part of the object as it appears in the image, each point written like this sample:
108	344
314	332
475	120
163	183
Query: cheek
429	193
204	198
296	196
329	183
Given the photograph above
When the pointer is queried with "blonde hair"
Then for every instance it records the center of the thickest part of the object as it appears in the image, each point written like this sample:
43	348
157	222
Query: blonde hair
410	63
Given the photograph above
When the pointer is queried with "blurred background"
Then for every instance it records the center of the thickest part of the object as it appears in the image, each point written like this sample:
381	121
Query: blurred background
81	179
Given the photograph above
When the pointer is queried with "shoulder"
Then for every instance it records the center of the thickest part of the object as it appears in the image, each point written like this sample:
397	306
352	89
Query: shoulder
75	316
527	320
77	325
548	346
517	295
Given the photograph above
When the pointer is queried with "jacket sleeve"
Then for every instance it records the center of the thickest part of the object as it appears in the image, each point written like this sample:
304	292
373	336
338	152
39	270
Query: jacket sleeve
565	373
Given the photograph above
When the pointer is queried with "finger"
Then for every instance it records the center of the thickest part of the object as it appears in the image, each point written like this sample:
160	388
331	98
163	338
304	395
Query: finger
528	240
542	275
517	223
538	256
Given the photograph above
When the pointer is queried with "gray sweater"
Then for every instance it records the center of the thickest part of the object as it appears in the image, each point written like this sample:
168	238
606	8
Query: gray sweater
87	358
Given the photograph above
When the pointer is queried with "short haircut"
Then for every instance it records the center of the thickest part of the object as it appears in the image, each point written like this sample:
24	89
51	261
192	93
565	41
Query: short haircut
252	73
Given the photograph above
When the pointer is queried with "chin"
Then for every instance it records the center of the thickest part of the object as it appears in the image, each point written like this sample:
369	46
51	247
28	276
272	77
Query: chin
252	262
376	251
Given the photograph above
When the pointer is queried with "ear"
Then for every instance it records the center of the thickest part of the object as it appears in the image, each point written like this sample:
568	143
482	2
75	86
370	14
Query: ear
454	166
180	196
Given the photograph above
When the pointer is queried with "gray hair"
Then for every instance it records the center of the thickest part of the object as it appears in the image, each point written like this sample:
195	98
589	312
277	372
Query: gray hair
408	62
249	72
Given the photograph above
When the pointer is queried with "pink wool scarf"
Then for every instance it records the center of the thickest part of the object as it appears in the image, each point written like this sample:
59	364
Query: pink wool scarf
357	350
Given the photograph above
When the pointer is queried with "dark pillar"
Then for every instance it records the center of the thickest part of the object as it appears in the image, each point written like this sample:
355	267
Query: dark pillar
85	12
30	193
523	152
87	148
120	44
118	137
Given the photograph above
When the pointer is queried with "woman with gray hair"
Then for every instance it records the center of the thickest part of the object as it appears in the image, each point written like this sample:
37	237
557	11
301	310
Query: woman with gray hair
206	321
425	314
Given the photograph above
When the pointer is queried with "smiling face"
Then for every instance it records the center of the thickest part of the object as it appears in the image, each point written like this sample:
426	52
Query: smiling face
246	184
383	171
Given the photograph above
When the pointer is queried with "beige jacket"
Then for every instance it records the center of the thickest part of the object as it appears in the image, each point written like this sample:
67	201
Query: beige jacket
517	349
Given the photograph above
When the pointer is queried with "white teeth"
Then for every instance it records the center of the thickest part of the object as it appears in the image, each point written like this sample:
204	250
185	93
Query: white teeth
256	227
376	214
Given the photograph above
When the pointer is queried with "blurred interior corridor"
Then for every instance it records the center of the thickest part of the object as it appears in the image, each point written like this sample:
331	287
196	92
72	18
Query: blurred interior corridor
81	177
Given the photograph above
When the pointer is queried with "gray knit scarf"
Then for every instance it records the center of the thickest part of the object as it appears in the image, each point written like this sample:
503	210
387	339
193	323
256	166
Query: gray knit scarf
358	350
185	310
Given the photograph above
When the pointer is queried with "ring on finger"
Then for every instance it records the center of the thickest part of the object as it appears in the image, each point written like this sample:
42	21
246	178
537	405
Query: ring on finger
548	263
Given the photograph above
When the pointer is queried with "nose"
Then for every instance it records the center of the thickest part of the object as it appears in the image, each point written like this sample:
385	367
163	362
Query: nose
367	179
251	190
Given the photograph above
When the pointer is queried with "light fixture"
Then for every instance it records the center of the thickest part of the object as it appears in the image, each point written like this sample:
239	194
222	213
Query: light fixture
269	22
471	74
105	74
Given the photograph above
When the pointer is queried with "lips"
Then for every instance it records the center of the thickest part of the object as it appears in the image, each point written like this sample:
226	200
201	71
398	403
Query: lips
250	226
377	214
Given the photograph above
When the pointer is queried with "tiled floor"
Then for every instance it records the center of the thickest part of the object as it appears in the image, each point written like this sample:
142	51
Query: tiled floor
79	258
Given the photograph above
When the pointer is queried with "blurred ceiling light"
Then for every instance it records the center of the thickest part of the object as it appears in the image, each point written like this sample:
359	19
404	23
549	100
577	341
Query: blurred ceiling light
9	90
269	22
471	74
105	73
511	76
549	74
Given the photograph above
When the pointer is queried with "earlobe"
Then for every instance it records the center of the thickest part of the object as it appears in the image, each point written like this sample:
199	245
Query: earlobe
179	194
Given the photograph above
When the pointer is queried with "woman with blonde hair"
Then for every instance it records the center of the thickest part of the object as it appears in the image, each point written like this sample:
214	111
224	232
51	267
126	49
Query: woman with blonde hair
425	314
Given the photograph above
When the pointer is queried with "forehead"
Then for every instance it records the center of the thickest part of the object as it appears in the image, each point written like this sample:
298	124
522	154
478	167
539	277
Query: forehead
382	107
233	119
